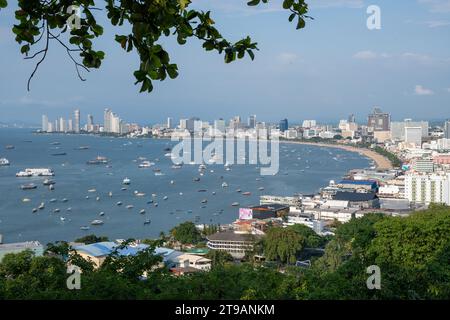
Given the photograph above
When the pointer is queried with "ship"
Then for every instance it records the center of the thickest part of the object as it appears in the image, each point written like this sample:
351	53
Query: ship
97	222
35	172
59	154
9	147
48	182
146	164
126	181
98	160
28	186
4	162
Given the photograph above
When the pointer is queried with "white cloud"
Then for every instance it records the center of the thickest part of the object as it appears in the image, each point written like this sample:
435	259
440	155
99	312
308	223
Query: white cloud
439	6
437	23
366	55
288	57
422	91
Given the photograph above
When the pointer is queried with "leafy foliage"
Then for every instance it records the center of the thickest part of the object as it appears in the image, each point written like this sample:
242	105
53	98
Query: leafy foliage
282	244
148	22
186	233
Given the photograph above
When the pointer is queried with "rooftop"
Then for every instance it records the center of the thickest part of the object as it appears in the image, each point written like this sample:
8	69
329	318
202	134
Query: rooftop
358	182
100	249
355	196
21	245
232	236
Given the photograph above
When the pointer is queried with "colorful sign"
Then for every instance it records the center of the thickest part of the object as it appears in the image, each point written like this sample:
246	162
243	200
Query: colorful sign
245	214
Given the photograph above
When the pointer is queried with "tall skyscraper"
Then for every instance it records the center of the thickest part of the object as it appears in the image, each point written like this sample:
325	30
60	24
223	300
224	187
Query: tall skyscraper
447	129
62	125
378	120
169	122
70	127
283	126
351	118
44	123
76	123
90	123
107	117
252	121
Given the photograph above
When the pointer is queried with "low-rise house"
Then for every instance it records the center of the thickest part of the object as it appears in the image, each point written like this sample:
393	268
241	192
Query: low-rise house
193	261
236	244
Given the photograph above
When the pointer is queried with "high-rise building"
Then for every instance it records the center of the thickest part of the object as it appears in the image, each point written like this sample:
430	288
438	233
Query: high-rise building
378	120
169	122
252	121
413	135
309	123
398	128
351	118
183	124
90	123
283	126
115	123
219	127
107	117
447	129
62	125
76	122
70	127
428	188
44	123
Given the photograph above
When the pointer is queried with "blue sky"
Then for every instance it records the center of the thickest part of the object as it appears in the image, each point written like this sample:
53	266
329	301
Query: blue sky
332	68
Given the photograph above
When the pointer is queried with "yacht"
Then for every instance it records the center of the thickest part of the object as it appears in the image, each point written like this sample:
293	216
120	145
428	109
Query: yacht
146	164
48	182
28	186
4	162
126	181
98	160
35	172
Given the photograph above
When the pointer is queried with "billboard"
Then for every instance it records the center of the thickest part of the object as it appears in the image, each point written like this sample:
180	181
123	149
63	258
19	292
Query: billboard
245	214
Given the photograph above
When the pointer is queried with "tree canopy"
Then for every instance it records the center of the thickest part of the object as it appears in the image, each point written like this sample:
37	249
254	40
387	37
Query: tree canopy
186	233
45	21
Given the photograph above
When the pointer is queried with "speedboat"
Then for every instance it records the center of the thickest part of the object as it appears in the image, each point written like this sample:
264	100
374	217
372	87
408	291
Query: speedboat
97	222
28	186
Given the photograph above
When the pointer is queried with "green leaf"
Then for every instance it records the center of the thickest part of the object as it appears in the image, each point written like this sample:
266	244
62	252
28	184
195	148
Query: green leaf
3	3
253	3
25	48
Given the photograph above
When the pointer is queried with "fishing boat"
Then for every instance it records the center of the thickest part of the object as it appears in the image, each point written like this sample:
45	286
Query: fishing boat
96	222
126	181
48	182
124	189
238	190
28	186
4	162
98	160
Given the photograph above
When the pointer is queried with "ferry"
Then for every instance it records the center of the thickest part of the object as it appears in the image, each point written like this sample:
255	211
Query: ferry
98	160
4	162
35	172
28	186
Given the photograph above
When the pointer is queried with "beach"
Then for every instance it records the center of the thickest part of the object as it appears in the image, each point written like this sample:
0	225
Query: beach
381	162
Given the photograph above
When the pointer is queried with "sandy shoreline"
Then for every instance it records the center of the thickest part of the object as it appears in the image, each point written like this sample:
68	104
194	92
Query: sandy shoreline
381	162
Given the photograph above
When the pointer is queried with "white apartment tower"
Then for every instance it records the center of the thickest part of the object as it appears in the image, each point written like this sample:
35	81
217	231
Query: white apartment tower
428	188
76	123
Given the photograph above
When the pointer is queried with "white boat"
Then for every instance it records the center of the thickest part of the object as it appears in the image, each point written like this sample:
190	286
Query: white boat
56	210
165	198
51	187
4	162
142	211
92	190
224	185
148	221
177	166
101	214
159	173
48	182
261	188
130	206
140	194
126	181
34	210
41	206
235	204
97	222
146	164
84	228
119	203
97	199
172	182
62	219
35	172
26	200
110	194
